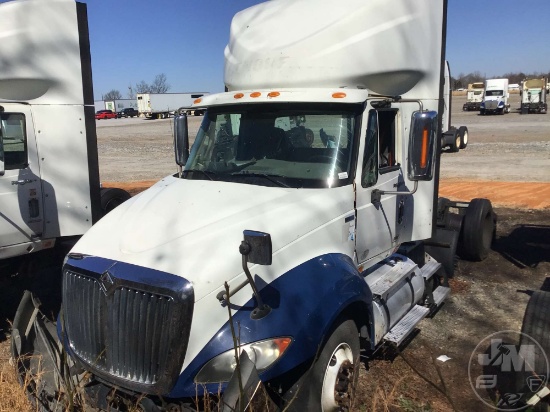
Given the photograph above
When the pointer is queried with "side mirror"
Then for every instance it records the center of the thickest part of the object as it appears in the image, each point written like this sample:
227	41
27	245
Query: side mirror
258	247
181	139
422	145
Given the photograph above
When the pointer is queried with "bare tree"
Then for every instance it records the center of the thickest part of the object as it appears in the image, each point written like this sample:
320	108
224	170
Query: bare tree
143	87
112	95
159	84
131	93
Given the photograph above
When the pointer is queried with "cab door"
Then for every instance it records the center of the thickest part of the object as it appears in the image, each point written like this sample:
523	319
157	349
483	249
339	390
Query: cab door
379	170
21	211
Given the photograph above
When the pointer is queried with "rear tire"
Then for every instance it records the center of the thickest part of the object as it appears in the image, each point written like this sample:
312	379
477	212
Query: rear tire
335	371
478	230
463	132
455	140
536	324
111	197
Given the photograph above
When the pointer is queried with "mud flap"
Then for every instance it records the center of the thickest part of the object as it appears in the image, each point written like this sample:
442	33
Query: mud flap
41	363
442	247
250	384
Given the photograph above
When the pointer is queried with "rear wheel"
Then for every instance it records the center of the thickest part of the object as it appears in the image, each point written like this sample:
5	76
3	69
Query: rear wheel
330	382
463	132
455	141
478	230
112	197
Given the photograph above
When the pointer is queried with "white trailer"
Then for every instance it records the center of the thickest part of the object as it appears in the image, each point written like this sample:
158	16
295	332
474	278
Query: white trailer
49	178
474	96
322	161
120	104
495	97
533	96
162	105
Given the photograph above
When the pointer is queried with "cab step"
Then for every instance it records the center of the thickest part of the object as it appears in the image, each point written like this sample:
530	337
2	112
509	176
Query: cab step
440	294
405	326
430	268
389	275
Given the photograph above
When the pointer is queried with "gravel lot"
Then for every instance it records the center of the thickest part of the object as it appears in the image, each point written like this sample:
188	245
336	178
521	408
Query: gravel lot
512	147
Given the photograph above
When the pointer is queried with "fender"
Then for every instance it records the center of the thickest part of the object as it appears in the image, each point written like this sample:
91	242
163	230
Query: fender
305	302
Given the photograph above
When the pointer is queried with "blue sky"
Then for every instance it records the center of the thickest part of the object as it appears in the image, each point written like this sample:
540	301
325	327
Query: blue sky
134	40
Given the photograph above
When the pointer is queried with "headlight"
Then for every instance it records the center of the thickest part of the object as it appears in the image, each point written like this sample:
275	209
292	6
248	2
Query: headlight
500	104
263	354
482	105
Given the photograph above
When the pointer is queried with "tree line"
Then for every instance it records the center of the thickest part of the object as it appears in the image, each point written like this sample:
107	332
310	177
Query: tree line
159	85
463	80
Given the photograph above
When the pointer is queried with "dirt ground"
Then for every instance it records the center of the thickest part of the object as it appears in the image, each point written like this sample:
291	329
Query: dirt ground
507	160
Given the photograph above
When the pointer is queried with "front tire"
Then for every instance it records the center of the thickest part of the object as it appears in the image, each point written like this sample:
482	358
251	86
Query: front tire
536	324
329	384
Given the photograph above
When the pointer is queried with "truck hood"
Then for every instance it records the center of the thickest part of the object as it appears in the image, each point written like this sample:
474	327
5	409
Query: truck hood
193	228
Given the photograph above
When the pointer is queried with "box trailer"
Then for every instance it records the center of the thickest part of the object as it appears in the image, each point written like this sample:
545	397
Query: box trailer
162	105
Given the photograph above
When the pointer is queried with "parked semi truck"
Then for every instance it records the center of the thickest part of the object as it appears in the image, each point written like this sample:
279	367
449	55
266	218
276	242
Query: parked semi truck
533	96
303	228
453	138
49	179
162	105
474	96
495	97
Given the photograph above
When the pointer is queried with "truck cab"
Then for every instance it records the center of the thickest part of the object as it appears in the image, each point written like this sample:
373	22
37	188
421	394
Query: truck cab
297	232
495	97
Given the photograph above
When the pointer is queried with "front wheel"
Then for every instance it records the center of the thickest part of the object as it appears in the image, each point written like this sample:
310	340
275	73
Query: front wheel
329	384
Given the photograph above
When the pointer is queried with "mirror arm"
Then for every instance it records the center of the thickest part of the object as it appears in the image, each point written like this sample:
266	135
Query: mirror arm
377	193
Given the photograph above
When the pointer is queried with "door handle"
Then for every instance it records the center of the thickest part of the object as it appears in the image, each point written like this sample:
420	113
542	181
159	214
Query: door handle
21	182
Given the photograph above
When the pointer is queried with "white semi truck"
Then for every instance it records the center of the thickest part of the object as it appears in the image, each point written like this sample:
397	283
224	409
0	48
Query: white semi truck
49	177
495	97
162	105
474	96
320	168
533	96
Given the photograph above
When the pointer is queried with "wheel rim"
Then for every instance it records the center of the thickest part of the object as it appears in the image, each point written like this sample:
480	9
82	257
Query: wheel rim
465	138
457	141
337	382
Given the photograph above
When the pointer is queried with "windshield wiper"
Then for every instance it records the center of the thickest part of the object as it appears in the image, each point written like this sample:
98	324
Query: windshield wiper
265	176
207	173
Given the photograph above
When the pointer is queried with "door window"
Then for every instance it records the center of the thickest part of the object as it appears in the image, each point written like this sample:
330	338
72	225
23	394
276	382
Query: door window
379	156
14	140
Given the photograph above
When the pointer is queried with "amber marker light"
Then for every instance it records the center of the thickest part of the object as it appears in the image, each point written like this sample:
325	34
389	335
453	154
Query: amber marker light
255	94
238	95
424	152
197	101
282	344
339	95
273	94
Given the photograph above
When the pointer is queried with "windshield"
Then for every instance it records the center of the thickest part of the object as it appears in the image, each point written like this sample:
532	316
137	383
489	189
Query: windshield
276	145
494	93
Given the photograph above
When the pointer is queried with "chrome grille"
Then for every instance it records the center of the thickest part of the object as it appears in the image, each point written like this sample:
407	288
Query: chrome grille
128	334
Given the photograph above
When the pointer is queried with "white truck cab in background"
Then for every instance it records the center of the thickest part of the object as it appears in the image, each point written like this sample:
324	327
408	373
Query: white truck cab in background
320	168
474	96
533	96
495	97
